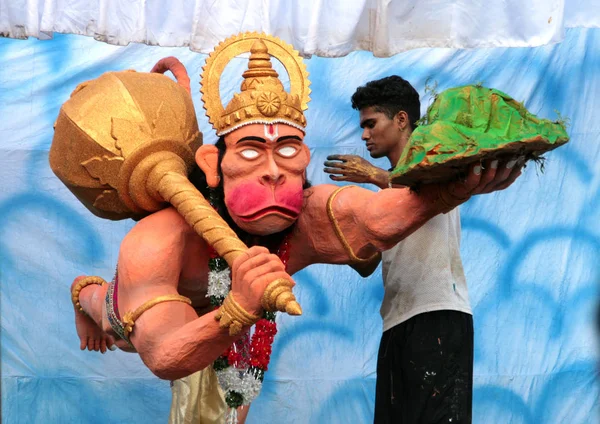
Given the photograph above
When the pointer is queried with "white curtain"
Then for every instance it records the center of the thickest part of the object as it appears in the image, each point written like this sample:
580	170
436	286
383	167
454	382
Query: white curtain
327	28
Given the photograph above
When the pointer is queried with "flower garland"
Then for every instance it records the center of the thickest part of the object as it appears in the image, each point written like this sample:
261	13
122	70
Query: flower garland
241	368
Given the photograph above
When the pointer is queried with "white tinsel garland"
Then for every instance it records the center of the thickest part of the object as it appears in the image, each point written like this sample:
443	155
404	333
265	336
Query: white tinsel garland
232	379
219	283
240	381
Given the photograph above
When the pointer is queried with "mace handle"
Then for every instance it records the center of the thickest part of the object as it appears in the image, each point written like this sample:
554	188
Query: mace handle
169	180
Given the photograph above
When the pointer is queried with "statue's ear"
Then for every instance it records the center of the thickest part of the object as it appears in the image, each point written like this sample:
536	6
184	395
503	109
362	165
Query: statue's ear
306	150
307	153
207	158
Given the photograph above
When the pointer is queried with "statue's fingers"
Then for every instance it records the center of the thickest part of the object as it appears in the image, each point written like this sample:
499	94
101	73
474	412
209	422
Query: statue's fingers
502	174
489	175
511	179
464	188
507	174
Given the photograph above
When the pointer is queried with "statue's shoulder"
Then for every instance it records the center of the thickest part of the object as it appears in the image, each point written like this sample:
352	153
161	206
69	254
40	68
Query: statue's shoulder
314	209
156	233
317	196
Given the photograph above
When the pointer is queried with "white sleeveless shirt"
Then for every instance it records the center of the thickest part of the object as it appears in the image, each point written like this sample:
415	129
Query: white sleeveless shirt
424	272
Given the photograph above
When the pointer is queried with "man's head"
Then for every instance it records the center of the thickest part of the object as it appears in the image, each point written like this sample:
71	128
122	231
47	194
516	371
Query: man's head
263	171
389	109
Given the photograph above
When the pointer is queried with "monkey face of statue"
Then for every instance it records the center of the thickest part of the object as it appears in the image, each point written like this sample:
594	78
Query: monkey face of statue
264	170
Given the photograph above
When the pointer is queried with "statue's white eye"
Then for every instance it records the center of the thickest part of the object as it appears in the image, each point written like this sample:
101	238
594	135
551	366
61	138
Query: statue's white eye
249	153
287	151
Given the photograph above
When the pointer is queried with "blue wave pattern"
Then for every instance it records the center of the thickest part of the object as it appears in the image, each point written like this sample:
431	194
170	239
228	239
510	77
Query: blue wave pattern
530	252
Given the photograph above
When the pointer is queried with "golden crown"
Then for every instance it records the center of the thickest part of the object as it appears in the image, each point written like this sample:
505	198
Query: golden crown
262	98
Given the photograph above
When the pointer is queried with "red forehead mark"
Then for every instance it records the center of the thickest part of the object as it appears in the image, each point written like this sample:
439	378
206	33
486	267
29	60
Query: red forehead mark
271	131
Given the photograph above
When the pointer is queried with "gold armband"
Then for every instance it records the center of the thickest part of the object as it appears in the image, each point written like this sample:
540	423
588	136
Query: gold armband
338	231
231	314
130	317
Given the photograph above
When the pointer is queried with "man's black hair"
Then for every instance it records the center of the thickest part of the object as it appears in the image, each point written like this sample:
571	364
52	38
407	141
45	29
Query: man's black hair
389	95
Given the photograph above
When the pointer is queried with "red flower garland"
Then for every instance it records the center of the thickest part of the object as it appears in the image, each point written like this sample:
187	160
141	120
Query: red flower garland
260	347
257	353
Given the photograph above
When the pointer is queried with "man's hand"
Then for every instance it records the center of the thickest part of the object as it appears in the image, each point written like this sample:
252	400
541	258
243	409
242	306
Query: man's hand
355	169
252	272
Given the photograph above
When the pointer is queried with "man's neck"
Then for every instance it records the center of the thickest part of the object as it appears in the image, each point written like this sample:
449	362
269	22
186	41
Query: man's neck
394	155
393	158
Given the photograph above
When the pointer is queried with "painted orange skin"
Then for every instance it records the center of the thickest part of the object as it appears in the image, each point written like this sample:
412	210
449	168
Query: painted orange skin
262	177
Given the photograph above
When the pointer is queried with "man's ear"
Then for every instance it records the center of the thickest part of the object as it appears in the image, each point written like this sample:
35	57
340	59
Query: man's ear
207	158
401	119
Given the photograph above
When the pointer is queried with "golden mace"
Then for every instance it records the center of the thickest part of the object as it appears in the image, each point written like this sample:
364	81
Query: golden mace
124	145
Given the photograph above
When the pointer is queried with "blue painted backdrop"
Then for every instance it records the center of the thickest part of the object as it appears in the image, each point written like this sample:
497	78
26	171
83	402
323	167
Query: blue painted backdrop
531	252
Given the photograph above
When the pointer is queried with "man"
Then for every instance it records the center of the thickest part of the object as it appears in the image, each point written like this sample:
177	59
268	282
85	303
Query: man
257	171
425	361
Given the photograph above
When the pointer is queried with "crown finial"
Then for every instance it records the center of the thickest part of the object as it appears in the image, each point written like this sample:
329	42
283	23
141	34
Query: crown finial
260	69
259	64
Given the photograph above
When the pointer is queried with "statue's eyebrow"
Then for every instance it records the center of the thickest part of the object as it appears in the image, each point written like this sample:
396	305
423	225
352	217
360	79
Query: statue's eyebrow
251	138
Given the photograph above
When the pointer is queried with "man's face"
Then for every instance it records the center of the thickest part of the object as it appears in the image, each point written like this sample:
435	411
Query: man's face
264	170
380	133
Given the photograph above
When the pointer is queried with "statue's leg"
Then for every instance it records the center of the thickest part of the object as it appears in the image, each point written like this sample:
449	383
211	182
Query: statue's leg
89	324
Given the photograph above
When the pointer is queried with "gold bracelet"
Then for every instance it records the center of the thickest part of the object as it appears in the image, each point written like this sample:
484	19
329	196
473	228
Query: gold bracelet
84	282
232	315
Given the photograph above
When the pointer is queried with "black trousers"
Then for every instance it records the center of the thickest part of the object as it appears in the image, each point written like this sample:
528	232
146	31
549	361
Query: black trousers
425	370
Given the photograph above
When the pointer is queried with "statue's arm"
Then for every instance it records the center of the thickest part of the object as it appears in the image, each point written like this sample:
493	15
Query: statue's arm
350	225
170	337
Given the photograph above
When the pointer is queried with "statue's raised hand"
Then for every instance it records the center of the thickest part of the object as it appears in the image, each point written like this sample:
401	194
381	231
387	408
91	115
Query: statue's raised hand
355	169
